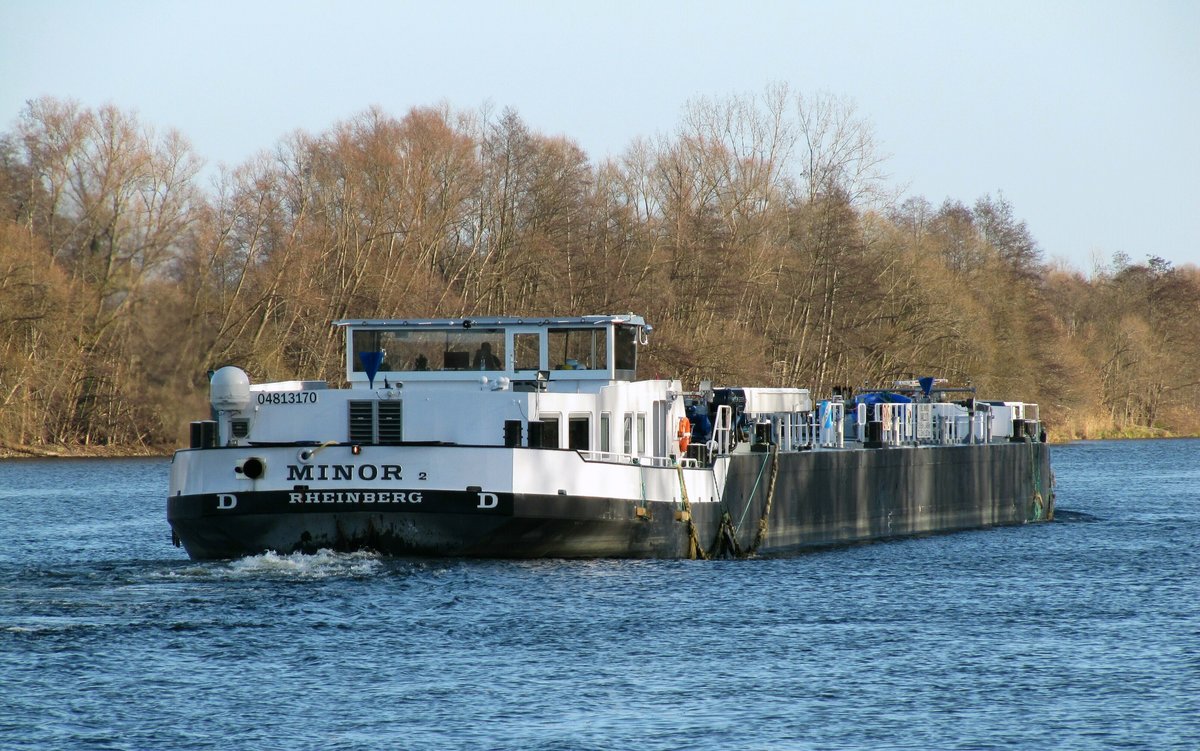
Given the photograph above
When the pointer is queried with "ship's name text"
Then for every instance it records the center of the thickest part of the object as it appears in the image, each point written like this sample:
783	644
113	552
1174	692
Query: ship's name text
344	472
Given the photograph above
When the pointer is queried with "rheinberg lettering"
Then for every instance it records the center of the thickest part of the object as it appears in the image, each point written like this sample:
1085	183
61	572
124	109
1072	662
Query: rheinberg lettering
356	496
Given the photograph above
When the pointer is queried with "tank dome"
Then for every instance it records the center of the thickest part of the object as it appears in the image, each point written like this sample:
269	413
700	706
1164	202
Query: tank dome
230	389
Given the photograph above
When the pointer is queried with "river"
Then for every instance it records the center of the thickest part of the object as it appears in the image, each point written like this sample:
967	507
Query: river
1083	633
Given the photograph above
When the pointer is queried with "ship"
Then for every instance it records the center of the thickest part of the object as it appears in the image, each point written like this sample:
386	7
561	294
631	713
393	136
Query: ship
533	437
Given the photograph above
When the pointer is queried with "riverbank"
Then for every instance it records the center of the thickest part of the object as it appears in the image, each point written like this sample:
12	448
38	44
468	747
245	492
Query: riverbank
81	452
1136	433
120	452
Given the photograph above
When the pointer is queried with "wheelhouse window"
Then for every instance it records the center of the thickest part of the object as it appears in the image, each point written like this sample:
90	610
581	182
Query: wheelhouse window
405	350
626	348
578	349
527	351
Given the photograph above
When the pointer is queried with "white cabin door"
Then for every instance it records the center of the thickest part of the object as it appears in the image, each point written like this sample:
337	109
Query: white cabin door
662	431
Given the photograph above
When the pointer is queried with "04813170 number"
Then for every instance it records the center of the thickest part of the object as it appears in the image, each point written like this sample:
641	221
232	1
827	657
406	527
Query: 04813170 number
287	397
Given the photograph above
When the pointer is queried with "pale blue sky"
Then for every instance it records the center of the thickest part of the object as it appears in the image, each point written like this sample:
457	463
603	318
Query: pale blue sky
1085	115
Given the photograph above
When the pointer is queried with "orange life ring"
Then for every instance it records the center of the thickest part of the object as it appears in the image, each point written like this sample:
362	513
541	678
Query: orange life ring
685	434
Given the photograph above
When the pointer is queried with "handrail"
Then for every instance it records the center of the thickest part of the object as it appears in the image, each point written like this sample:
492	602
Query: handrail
722	430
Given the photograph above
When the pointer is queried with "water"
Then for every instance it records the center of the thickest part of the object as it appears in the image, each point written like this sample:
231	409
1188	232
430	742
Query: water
1081	634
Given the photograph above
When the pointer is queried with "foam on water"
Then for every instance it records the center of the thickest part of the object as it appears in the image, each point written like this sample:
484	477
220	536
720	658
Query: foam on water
324	564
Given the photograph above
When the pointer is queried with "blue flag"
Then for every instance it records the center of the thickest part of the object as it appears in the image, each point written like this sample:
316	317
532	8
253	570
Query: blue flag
371	362
926	384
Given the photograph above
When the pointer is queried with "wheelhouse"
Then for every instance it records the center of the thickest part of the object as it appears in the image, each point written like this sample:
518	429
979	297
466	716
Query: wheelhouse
527	351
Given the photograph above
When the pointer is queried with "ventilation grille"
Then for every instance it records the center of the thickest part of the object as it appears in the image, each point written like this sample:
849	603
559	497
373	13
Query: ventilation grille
389	423
376	422
362	422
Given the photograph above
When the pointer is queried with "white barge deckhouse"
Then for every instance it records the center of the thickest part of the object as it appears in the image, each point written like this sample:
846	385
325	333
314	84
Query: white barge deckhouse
533	437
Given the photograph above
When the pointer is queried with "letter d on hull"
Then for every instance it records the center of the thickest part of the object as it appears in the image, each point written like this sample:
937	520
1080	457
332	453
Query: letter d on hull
488	500
226	501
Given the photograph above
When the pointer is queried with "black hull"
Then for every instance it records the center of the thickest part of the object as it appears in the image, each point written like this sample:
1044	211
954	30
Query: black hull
773	504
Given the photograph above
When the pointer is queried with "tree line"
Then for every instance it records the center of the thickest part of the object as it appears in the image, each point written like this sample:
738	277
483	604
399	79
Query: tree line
761	238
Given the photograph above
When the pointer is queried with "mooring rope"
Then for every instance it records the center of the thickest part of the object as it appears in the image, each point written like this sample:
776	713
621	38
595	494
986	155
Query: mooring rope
642	477
761	537
726	539
757	480
695	549
1035	476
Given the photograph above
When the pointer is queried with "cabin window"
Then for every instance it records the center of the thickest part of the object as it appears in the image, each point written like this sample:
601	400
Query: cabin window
641	433
405	350
550	432
605	440
579	432
628	434
578	349
527	352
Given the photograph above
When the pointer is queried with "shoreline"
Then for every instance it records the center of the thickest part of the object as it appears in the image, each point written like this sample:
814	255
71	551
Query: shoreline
165	452
84	452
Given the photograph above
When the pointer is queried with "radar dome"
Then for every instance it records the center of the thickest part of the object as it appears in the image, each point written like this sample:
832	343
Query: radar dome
229	389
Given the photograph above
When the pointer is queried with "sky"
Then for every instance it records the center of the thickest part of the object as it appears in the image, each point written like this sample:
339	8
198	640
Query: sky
1085	116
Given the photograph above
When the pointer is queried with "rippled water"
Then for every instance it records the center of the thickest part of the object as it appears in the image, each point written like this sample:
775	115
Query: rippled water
1080	634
